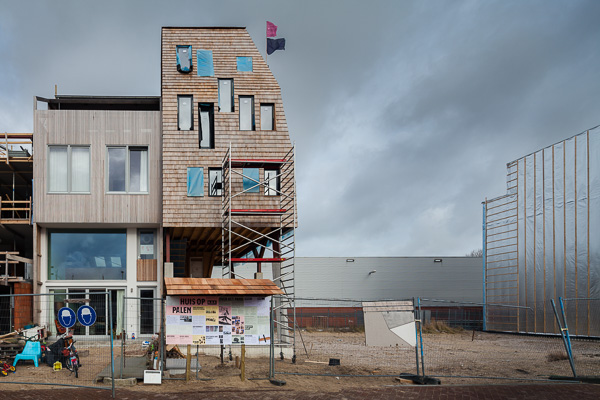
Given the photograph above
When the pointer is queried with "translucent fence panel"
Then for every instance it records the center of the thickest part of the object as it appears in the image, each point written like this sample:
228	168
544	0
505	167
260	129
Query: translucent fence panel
462	353
41	349
331	339
141	343
584	334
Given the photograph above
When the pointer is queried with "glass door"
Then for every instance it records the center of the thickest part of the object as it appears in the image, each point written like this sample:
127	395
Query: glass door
147	311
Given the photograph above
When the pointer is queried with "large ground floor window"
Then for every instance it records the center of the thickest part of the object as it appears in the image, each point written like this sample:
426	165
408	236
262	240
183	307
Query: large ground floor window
98	300
87	254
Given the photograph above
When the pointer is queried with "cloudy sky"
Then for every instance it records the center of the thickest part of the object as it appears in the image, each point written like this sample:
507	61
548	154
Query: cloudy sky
404	113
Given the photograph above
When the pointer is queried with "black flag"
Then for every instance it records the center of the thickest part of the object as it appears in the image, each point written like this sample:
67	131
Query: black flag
275	44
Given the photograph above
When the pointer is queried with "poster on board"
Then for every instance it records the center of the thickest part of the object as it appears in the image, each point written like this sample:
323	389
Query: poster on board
218	320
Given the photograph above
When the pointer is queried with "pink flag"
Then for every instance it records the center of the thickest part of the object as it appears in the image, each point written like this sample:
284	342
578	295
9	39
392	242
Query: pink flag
271	29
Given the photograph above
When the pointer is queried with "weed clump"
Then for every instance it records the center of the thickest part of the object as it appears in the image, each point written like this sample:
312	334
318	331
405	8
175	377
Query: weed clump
557	356
440	327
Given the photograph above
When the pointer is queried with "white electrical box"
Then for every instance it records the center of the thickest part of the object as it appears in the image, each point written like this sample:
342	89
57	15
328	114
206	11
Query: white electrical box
152	377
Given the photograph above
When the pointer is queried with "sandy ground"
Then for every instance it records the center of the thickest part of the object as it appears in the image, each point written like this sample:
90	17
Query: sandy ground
463	354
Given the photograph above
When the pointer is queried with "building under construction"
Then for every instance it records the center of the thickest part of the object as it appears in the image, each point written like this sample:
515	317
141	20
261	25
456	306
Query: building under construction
16	237
542	240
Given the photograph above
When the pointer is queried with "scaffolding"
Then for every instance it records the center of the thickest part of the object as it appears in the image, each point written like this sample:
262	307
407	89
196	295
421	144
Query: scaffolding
501	257
253	226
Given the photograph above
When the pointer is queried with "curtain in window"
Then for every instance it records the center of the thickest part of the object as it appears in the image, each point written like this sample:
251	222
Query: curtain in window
80	169
185	113
266	117
246	113
205	129
225	95
57	169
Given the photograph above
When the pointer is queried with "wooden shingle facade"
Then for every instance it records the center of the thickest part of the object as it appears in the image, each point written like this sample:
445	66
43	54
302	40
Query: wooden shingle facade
197	220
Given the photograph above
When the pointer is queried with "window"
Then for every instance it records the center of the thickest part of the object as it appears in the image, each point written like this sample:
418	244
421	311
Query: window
68	169
185	118
195	182
215	182
246	113
250	180
207	130
147	250
271	182
226	95
266	117
87	255
184	59
244	64
127	169
204	60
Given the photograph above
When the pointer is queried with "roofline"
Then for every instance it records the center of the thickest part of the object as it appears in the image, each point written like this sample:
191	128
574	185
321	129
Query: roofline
203	27
553	144
78	97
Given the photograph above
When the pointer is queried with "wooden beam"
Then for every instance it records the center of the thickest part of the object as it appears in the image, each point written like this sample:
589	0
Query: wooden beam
19	258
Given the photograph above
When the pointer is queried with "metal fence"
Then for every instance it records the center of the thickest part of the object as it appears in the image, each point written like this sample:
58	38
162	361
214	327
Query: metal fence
37	345
331	340
585	347
139	333
461	355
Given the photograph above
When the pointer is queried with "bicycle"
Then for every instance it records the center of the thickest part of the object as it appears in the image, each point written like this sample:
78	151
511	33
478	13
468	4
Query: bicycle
5	368
69	353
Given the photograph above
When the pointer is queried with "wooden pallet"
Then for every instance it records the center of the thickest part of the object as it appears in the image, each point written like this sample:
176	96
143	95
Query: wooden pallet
8	351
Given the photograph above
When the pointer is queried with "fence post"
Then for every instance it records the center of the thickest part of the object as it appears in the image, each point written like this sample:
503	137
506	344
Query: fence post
562	335
112	357
123	336
567	335
272	344
421	335
163	336
243	364
416	333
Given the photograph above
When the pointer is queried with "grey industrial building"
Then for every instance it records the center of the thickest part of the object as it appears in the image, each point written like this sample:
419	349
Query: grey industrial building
384	278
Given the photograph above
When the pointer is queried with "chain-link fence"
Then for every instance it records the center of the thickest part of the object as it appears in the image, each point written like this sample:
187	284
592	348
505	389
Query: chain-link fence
35	340
460	353
584	329
351	338
139	330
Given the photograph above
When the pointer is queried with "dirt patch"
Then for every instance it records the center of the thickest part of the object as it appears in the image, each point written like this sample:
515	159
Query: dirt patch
463	355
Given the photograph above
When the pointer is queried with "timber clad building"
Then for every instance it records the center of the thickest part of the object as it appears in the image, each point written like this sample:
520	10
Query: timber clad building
130	190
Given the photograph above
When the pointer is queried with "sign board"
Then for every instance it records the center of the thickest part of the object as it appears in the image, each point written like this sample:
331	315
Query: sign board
66	317
147	249
215	320
86	315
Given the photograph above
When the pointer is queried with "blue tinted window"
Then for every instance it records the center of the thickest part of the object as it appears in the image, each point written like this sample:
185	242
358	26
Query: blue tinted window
195	182
87	255
204	62
244	64
251	180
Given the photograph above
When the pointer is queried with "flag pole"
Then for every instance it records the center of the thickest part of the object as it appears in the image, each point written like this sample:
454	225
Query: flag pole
267	44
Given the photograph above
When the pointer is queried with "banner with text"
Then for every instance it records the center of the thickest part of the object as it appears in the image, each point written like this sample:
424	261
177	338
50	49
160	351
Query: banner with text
216	320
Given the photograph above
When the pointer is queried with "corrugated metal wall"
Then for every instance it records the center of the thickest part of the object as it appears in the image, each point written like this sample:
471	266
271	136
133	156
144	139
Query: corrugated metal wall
557	198
454	278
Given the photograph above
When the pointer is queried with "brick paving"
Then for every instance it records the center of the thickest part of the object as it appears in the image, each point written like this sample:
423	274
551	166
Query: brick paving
512	392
